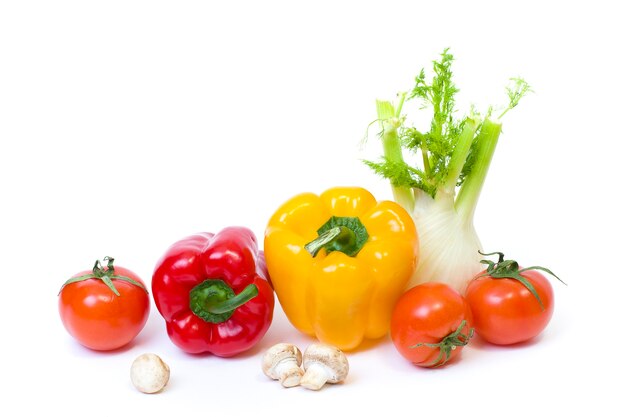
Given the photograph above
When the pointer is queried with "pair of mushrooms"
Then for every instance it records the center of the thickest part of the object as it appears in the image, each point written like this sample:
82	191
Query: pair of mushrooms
322	363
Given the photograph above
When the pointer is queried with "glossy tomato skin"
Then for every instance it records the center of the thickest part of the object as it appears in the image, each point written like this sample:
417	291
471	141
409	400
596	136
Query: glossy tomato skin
99	319
505	311
427	313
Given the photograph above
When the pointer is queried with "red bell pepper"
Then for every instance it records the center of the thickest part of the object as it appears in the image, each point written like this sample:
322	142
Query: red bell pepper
212	290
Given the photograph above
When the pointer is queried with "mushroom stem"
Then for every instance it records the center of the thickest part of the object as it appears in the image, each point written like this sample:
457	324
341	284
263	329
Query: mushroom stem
323	363
315	376
289	372
282	362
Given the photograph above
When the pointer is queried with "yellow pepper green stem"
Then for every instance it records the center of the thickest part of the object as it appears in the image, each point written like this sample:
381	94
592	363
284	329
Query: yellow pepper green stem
343	234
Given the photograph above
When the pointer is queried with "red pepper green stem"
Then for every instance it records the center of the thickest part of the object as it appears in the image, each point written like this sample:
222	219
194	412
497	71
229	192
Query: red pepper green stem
214	301
343	234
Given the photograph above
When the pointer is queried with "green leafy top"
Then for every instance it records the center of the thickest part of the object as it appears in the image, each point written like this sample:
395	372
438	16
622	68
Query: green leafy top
439	95
449	149
515	92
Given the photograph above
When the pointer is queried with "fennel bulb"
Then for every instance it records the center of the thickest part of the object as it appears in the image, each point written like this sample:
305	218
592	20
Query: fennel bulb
449	244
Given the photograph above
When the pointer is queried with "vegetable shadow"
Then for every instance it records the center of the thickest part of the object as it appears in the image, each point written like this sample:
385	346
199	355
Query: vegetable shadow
81	350
479	343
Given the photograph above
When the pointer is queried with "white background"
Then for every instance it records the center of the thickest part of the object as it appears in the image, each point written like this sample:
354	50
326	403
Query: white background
126	125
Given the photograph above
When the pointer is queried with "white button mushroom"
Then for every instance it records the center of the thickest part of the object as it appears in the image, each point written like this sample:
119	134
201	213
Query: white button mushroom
282	362
149	374
323	363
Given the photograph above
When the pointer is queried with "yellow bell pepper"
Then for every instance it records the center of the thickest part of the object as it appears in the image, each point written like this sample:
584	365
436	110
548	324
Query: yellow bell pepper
339	262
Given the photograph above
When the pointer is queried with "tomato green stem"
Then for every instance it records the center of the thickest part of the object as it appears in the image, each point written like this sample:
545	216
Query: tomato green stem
106	275
448	344
507	268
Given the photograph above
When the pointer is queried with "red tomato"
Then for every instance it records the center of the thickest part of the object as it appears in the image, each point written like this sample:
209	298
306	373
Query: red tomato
505	311
98	318
430	324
